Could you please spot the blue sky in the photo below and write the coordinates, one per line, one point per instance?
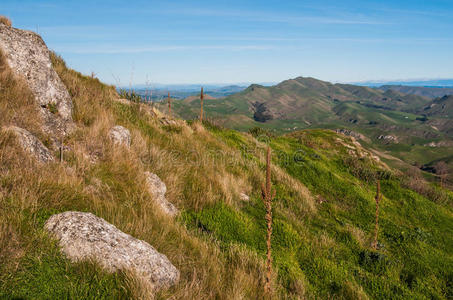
(245, 41)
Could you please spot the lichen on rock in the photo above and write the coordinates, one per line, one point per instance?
(30, 144)
(157, 189)
(28, 57)
(120, 135)
(84, 236)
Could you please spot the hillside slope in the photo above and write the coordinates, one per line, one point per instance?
(323, 210)
(394, 123)
(308, 99)
(440, 107)
(430, 92)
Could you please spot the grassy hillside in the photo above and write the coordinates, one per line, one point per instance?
(323, 210)
(425, 91)
(302, 103)
(440, 107)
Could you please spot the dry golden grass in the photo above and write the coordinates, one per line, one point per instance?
(109, 182)
(17, 105)
(197, 167)
(6, 21)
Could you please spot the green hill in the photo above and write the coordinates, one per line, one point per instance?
(440, 107)
(389, 121)
(430, 92)
(323, 212)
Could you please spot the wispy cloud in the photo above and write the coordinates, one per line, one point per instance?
(108, 49)
(294, 44)
(415, 12)
(275, 17)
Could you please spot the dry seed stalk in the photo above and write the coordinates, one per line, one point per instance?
(201, 105)
(169, 105)
(378, 198)
(268, 194)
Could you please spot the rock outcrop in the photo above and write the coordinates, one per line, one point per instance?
(120, 135)
(262, 113)
(388, 139)
(244, 197)
(157, 189)
(28, 56)
(84, 236)
(31, 144)
(348, 132)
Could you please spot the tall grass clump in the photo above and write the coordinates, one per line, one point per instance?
(17, 102)
(6, 21)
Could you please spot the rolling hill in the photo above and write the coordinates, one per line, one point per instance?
(440, 107)
(430, 92)
(392, 121)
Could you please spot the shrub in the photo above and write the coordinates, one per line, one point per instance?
(258, 131)
(6, 21)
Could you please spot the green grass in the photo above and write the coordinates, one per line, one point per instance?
(43, 272)
(415, 260)
(47, 274)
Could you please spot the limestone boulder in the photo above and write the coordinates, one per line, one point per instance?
(120, 136)
(157, 189)
(28, 56)
(31, 144)
(84, 236)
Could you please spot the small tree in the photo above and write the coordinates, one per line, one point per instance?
(442, 171)
(268, 194)
(201, 105)
(378, 199)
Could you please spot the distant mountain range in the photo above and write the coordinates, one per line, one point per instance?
(160, 92)
(426, 88)
(430, 92)
(422, 83)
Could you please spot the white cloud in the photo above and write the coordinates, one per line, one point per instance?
(111, 49)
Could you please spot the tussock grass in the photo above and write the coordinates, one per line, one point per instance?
(17, 105)
(109, 182)
(6, 21)
(319, 250)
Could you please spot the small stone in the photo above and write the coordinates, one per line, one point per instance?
(120, 135)
(31, 144)
(83, 236)
(244, 197)
(157, 189)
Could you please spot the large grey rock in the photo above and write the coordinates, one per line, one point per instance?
(84, 236)
(31, 144)
(157, 189)
(120, 135)
(28, 56)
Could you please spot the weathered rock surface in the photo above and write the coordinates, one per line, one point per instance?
(388, 138)
(31, 144)
(120, 135)
(262, 112)
(244, 197)
(84, 236)
(348, 132)
(28, 57)
(157, 189)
